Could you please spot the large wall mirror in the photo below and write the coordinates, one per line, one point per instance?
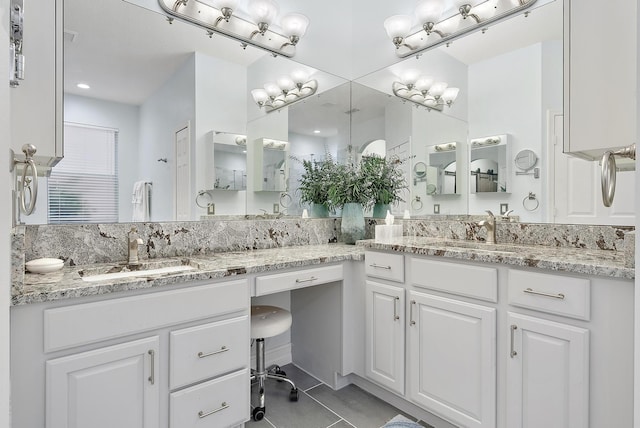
(157, 83)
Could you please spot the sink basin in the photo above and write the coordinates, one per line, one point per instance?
(137, 273)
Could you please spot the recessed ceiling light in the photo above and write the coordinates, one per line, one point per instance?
(316, 131)
(83, 86)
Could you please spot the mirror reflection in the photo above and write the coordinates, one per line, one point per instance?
(229, 161)
(441, 175)
(489, 162)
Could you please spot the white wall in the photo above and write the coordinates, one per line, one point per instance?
(5, 220)
(505, 98)
(220, 105)
(169, 109)
(124, 118)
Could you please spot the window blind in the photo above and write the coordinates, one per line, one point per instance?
(83, 187)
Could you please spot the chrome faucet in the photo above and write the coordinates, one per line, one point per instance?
(133, 241)
(490, 225)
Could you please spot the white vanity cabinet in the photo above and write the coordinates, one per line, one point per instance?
(596, 59)
(108, 387)
(161, 359)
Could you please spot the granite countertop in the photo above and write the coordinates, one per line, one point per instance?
(573, 260)
(68, 283)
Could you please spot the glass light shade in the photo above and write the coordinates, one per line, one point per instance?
(299, 76)
(272, 90)
(259, 95)
(263, 11)
(285, 83)
(219, 4)
(424, 83)
(409, 77)
(398, 26)
(486, 10)
(294, 24)
(438, 88)
(449, 26)
(459, 3)
(450, 94)
(429, 11)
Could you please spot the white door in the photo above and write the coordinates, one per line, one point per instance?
(452, 359)
(384, 336)
(182, 186)
(577, 191)
(547, 374)
(116, 386)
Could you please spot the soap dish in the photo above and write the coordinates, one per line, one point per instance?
(44, 265)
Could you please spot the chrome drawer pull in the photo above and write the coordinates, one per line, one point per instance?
(223, 406)
(396, 299)
(152, 377)
(513, 352)
(411, 321)
(313, 278)
(208, 354)
(377, 266)
(542, 293)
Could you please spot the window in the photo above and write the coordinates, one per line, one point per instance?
(83, 187)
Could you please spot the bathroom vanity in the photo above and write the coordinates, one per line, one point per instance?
(458, 333)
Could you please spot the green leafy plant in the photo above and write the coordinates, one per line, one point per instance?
(347, 186)
(383, 178)
(316, 179)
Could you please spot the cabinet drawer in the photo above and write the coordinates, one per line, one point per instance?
(463, 280)
(268, 284)
(205, 351)
(554, 294)
(76, 325)
(384, 265)
(222, 402)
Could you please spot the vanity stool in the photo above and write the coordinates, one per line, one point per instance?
(268, 321)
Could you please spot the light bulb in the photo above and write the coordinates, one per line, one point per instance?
(409, 77)
(272, 90)
(299, 77)
(437, 89)
(450, 94)
(424, 83)
(398, 26)
(259, 96)
(294, 25)
(219, 4)
(286, 84)
(263, 11)
(449, 26)
(429, 11)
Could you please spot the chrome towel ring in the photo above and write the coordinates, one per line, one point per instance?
(530, 206)
(27, 183)
(608, 176)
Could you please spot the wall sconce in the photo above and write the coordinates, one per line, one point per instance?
(219, 16)
(424, 91)
(438, 25)
(286, 91)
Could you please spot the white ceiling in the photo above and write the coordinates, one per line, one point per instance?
(118, 42)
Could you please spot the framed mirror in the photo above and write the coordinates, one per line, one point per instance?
(489, 164)
(442, 169)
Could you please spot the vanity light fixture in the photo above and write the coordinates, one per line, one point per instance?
(424, 90)
(254, 27)
(438, 25)
(489, 141)
(286, 91)
(445, 147)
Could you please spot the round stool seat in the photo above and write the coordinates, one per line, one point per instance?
(268, 321)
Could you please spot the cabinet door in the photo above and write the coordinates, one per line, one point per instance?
(547, 374)
(384, 340)
(116, 386)
(452, 359)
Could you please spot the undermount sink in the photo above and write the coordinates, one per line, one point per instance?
(137, 273)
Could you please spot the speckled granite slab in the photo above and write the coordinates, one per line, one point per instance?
(575, 260)
(68, 283)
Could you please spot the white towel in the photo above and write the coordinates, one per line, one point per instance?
(140, 201)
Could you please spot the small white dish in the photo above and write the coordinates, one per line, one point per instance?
(44, 265)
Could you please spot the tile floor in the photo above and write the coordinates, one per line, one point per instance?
(319, 406)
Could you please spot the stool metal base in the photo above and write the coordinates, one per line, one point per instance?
(272, 372)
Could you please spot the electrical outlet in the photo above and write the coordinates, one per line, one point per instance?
(436, 208)
(504, 208)
(276, 208)
(211, 209)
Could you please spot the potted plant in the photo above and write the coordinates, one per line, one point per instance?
(349, 192)
(385, 182)
(314, 184)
